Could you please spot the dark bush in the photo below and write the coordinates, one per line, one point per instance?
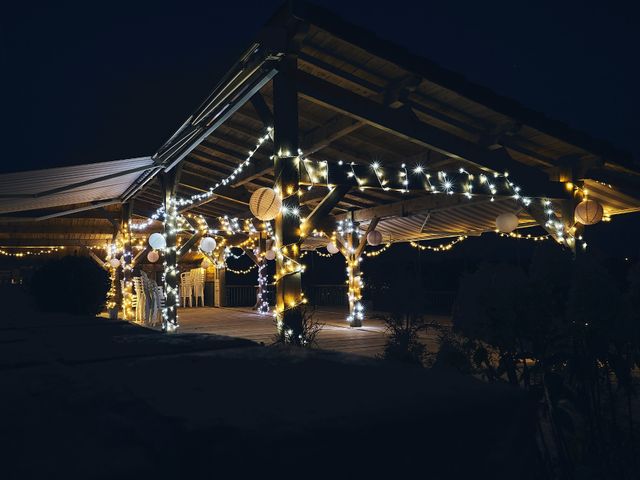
(70, 285)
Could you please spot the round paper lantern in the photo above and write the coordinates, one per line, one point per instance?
(157, 241)
(332, 248)
(507, 222)
(114, 262)
(588, 212)
(270, 255)
(374, 238)
(265, 204)
(207, 244)
(153, 256)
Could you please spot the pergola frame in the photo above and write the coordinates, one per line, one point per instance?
(342, 95)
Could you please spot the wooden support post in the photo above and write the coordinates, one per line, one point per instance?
(190, 243)
(262, 303)
(570, 225)
(171, 277)
(354, 280)
(287, 173)
(99, 261)
(127, 264)
(220, 286)
(351, 249)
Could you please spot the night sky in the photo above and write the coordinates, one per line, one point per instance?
(89, 81)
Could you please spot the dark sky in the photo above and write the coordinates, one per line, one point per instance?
(95, 81)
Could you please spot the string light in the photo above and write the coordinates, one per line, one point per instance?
(183, 202)
(375, 253)
(112, 293)
(439, 248)
(241, 272)
(288, 264)
(31, 253)
(535, 238)
(169, 311)
(263, 303)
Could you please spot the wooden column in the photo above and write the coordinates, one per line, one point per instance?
(352, 249)
(262, 302)
(220, 286)
(354, 276)
(127, 264)
(570, 225)
(171, 275)
(287, 173)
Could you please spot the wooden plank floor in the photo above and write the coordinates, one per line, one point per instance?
(335, 335)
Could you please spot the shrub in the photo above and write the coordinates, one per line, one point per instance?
(308, 327)
(71, 284)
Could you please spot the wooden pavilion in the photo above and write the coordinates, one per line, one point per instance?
(356, 135)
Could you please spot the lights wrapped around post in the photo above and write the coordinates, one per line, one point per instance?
(354, 285)
(262, 302)
(288, 278)
(112, 302)
(170, 274)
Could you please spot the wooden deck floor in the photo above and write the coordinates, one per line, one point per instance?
(335, 335)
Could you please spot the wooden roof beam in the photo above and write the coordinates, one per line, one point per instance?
(413, 206)
(324, 207)
(404, 125)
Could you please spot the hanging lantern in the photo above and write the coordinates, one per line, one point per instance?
(374, 237)
(207, 244)
(206, 263)
(588, 212)
(114, 262)
(270, 255)
(332, 248)
(153, 256)
(157, 241)
(507, 222)
(265, 204)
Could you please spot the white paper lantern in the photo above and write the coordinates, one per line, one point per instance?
(588, 212)
(332, 248)
(157, 241)
(374, 237)
(270, 254)
(507, 222)
(207, 244)
(265, 204)
(153, 256)
(114, 262)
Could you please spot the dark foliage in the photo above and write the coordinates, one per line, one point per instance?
(71, 284)
(405, 320)
(567, 333)
(307, 326)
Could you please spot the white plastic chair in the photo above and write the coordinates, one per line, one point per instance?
(186, 288)
(139, 300)
(197, 280)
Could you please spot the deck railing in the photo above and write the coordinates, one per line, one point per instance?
(435, 301)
